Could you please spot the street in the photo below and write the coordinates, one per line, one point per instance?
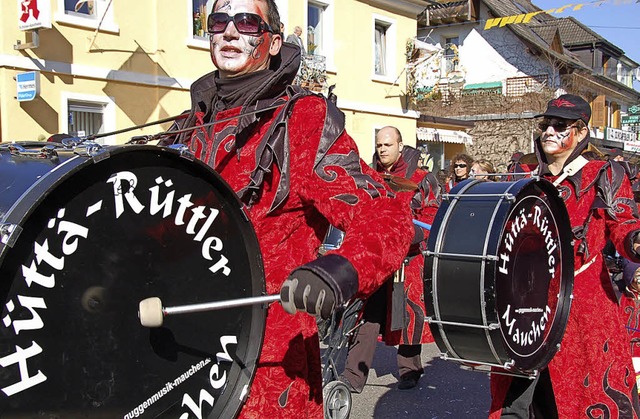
(444, 391)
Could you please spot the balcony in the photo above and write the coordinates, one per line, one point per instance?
(447, 12)
(313, 73)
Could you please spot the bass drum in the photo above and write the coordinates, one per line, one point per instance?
(499, 274)
(86, 234)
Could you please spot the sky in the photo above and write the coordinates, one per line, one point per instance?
(618, 21)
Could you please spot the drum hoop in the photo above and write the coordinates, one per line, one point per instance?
(24, 207)
(437, 247)
(496, 210)
(565, 291)
(33, 196)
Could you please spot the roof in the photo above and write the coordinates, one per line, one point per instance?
(573, 33)
(501, 8)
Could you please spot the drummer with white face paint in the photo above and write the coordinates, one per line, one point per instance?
(286, 154)
(594, 361)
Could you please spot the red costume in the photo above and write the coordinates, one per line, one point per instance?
(410, 330)
(424, 204)
(591, 375)
(297, 171)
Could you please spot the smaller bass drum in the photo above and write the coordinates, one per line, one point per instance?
(499, 274)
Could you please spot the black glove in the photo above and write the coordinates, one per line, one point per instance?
(319, 286)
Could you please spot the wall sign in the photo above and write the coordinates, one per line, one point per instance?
(28, 85)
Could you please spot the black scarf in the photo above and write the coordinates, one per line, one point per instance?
(236, 91)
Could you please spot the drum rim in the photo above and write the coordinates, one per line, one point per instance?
(565, 297)
(234, 394)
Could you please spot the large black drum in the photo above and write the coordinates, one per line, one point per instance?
(86, 234)
(499, 274)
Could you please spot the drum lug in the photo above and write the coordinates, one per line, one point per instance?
(91, 149)
(183, 150)
(9, 234)
(46, 152)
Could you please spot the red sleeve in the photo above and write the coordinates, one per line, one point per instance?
(349, 194)
(621, 216)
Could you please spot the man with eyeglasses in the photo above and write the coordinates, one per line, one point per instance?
(285, 152)
(592, 375)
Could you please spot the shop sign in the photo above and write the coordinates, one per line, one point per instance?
(34, 14)
(632, 146)
(613, 134)
(28, 85)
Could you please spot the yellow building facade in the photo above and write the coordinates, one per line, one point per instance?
(104, 65)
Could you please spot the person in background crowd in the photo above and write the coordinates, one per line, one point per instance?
(295, 39)
(459, 169)
(394, 159)
(591, 376)
(286, 154)
(615, 154)
(481, 169)
(515, 158)
(444, 177)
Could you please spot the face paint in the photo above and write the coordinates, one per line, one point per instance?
(235, 54)
(255, 43)
(224, 6)
(559, 143)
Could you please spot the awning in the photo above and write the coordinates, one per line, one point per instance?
(443, 135)
(488, 85)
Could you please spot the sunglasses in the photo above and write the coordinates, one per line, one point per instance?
(558, 126)
(457, 166)
(246, 23)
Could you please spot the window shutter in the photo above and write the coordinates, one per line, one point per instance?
(598, 112)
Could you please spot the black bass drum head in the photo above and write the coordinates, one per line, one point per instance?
(89, 240)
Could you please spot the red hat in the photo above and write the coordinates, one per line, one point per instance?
(568, 107)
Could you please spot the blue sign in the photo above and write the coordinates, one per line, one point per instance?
(28, 85)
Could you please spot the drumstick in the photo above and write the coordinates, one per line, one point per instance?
(151, 312)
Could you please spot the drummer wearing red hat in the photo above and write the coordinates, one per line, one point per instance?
(592, 374)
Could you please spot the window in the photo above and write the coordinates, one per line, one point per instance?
(81, 8)
(85, 118)
(380, 53)
(87, 13)
(384, 49)
(451, 58)
(200, 12)
(315, 28)
(87, 115)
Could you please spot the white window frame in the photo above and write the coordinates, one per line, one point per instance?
(447, 59)
(191, 40)
(328, 43)
(109, 113)
(391, 38)
(91, 22)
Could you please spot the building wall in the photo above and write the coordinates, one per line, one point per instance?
(135, 63)
(369, 101)
(142, 61)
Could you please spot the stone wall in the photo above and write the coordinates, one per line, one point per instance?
(497, 140)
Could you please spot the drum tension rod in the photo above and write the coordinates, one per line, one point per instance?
(151, 313)
(507, 196)
(490, 326)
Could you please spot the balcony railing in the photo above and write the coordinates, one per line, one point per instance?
(313, 72)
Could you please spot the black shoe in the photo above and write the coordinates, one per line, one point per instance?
(408, 381)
